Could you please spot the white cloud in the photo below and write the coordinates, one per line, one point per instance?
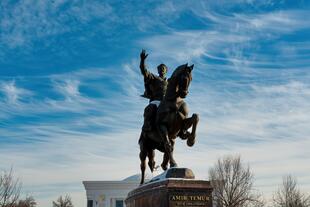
(227, 38)
(24, 21)
(186, 46)
(69, 88)
(280, 21)
(13, 93)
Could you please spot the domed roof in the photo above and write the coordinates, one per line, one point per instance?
(137, 177)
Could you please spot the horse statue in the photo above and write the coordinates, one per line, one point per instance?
(171, 122)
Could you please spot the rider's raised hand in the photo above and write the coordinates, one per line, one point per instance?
(143, 55)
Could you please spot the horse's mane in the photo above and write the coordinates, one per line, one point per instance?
(179, 70)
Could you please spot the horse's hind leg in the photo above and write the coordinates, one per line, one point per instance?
(151, 163)
(164, 164)
(172, 162)
(163, 132)
(142, 155)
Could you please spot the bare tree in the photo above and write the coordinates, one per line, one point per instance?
(232, 184)
(289, 195)
(28, 202)
(9, 189)
(63, 202)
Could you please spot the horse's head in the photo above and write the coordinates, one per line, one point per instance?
(179, 82)
(185, 78)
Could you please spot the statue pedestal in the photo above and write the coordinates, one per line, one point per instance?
(172, 192)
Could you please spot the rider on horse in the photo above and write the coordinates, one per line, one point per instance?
(170, 117)
(155, 89)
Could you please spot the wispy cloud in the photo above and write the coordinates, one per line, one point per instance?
(67, 144)
(69, 88)
(12, 93)
(22, 22)
(280, 21)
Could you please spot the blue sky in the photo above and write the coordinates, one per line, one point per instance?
(69, 87)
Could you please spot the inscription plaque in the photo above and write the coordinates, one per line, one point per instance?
(172, 193)
(189, 200)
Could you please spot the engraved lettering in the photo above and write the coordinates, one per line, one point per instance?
(189, 200)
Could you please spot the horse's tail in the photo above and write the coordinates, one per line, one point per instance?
(141, 137)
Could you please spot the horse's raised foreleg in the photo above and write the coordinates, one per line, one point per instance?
(187, 123)
(191, 138)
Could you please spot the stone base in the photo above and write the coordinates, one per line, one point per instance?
(172, 192)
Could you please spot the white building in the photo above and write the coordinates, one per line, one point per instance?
(109, 193)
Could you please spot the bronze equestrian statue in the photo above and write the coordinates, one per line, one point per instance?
(171, 121)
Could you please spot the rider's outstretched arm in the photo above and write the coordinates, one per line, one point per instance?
(143, 68)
